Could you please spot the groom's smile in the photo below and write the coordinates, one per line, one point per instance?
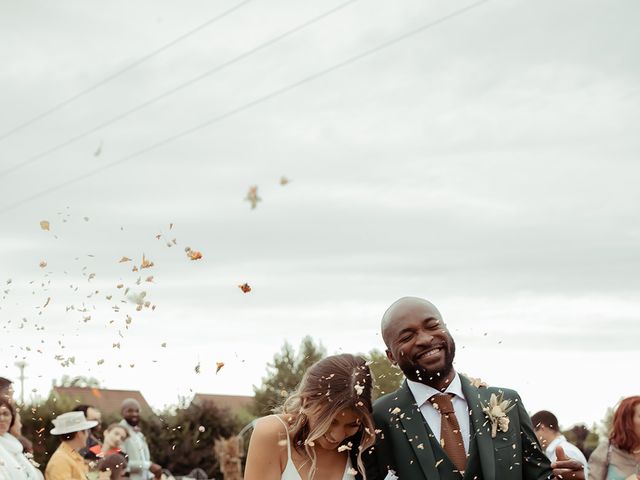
(419, 342)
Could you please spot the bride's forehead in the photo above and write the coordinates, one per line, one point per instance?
(348, 415)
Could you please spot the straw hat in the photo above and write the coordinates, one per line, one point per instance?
(71, 422)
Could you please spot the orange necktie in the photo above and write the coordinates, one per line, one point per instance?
(450, 435)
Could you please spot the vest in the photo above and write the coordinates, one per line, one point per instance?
(446, 467)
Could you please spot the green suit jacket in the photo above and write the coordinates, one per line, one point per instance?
(403, 444)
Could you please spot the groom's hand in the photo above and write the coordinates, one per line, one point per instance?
(567, 468)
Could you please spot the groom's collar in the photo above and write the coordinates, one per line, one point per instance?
(422, 392)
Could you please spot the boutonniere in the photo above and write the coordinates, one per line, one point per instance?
(476, 382)
(496, 411)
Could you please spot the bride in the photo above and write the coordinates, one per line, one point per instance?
(321, 430)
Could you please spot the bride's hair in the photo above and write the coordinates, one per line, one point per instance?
(329, 386)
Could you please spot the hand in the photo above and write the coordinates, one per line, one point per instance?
(567, 468)
(156, 470)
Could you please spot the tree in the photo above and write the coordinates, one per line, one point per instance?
(284, 374)
(184, 440)
(386, 377)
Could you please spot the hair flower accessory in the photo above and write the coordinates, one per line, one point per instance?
(496, 411)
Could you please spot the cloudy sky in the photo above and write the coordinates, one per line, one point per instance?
(482, 155)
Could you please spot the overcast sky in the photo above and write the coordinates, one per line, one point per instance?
(488, 162)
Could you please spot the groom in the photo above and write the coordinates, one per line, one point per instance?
(436, 427)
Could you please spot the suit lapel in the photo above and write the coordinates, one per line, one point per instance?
(480, 427)
(416, 431)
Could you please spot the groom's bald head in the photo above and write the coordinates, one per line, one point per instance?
(401, 308)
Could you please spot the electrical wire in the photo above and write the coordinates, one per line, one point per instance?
(118, 73)
(246, 106)
(173, 90)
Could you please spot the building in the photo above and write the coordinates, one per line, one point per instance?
(235, 403)
(107, 401)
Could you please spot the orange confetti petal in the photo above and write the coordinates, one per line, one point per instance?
(245, 287)
(43, 264)
(124, 259)
(194, 254)
(44, 225)
(219, 366)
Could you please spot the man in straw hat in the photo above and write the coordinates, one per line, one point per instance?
(66, 463)
(135, 446)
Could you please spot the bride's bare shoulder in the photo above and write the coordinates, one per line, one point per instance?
(270, 428)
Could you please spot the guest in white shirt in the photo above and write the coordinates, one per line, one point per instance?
(548, 432)
(13, 463)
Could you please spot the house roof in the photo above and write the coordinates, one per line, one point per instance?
(106, 400)
(232, 402)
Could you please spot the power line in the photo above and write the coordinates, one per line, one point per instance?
(115, 75)
(174, 89)
(248, 105)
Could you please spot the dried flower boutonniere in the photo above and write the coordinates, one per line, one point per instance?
(496, 411)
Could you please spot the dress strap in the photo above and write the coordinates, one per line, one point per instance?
(286, 431)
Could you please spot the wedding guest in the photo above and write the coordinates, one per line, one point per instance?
(91, 413)
(114, 467)
(618, 457)
(114, 437)
(14, 465)
(140, 466)
(321, 430)
(16, 431)
(7, 392)
(6, 389)
(545, 424)
(66, 463)
(440, 424)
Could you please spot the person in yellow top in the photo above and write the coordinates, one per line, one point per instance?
(66, 463)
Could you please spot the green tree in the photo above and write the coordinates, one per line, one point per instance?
(184, 440)
(284, 374)
(386, 377)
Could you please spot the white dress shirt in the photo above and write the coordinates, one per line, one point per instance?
(422, 393)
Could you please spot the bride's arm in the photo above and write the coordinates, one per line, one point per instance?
(265, 449)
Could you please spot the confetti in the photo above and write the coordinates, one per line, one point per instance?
(163, 344)
(197, 368)
(47, 302)
(44, 225)
(252, 197)
(149, 279)
(124, 259)
(193, 254)
(219, 366)
(146, 263)
(245, 288)
(284, 180)
(43, 264)
(201, 429)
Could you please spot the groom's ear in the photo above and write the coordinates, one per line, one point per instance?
(390, 356)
